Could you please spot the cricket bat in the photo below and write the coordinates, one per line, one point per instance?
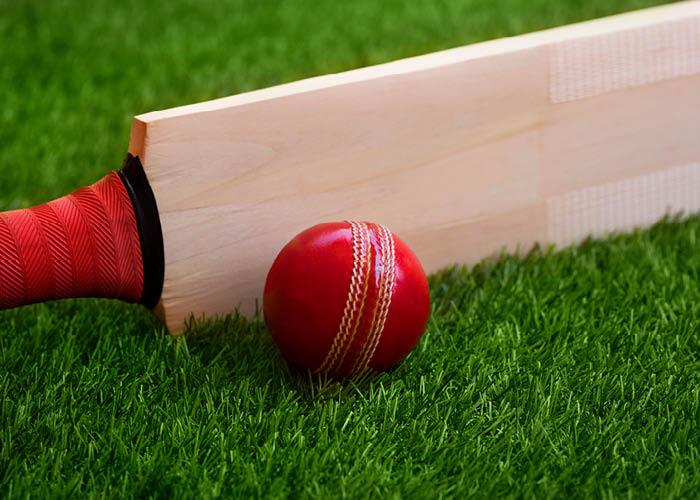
(547, 137)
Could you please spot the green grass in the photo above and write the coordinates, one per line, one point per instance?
(573, 373)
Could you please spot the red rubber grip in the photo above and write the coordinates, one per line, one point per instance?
(85, 244)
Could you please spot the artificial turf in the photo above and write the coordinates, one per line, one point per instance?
(560, 373)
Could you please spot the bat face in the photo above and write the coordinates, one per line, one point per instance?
(547, 137)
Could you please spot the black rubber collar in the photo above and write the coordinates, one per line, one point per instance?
(150, 232)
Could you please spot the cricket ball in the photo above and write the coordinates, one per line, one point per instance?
(343, 298)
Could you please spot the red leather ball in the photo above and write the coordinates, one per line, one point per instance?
(343, 298)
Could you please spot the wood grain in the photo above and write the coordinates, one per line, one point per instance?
(461, 153)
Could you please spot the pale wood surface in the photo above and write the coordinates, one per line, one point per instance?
(547, 137)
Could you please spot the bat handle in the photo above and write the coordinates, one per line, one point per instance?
(86, 244)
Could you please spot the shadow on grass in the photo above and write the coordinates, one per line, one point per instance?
(244, 347)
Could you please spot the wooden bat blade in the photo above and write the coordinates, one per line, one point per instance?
(546, 137)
